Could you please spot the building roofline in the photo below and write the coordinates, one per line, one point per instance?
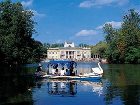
(69, 48)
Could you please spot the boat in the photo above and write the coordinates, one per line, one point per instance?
(54, 73)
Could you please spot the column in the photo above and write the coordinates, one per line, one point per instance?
(72, 54)
(75, 55)
(65, 54)
(68, 55)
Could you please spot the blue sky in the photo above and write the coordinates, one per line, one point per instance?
(79, 21)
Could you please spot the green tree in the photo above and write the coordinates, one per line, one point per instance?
(111, 38)
(99, 48)
(131, 28)
(124, 43)
(57, 45)
(16, 29)
(131, 32)
(83, 45)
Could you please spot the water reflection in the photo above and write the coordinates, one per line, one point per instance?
(70, 88)
(97, 87)
(15, 91)
(124, 84)
(63, 88)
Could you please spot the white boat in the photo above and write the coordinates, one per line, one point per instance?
(93, 75)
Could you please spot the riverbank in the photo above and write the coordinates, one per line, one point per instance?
(80, 60)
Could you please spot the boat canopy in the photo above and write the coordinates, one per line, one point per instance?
(67, 63)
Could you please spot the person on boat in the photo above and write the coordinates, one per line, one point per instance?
(62, 72)
(72, 73)
(56, 72)
(67, 72)
(75, 72)
(39, 71)
(39, 68)
(53, 71)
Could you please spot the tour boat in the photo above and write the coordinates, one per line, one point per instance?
(69, 72)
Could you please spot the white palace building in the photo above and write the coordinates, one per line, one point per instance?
(69, 51)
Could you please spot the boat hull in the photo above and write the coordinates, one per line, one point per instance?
(95, 77)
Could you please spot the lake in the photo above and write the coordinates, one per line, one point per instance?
(120, 85)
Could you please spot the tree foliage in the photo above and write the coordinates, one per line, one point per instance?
(124, 43)
(83, 45)
(16, 29)
(99, 48)
(56, 45)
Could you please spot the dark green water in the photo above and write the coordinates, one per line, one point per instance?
(120, 85)
(125, 83)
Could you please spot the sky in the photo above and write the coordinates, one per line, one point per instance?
(78, 21)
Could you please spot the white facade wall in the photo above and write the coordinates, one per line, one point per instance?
(53, 53)
(69, 51)
(66, 53)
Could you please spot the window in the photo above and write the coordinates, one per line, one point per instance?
(78, 52)
(62, 53)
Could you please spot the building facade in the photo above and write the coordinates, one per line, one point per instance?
(69, 51)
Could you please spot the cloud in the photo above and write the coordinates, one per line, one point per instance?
(85, 37)
(27, 3)
(86, 4)
(87, 33)
(38, 14)
(113, 23)
(93, 3)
